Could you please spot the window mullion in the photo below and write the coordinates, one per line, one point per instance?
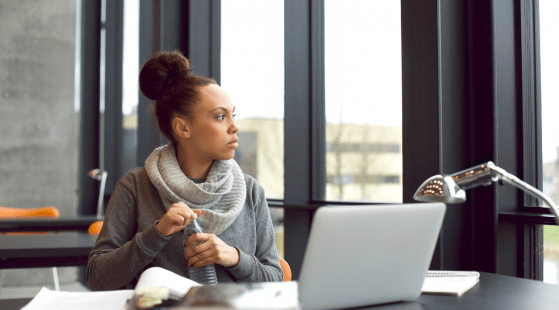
(318, 114)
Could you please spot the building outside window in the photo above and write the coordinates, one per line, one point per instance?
(549, 49)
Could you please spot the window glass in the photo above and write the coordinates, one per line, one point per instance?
(130, 85)
(252, 72)
(551, 254)
(549, 64)
(363, 80)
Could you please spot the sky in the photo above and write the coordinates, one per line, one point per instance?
(252, 56)
(549, 49)
(362, 59)
(131, 60)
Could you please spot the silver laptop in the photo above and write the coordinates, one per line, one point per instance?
(368, 255)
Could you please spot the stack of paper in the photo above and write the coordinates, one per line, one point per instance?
(47, 299)
(453, 283)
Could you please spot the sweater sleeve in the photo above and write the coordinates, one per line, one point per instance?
(264, 265)
(120, 254)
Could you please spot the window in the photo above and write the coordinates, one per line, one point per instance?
(130, 86)
(252, 72)
(549, 49)
(363, 81)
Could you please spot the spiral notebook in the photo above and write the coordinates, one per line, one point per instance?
(454, 283)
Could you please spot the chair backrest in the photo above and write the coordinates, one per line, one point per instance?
(6, 212)
(95, 228)
(286, 269)
(48, 212)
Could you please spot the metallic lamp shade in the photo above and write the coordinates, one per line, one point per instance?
(440, 188)
(95, 174)
(451, 188)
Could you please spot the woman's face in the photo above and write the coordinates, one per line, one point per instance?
(212, 126)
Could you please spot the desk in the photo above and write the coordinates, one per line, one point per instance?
(80, 222)
(494, 292)
(54, 249)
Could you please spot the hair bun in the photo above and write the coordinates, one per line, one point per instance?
(161, 70)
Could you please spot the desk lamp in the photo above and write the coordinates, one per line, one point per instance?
(451, 188)
(99, 175)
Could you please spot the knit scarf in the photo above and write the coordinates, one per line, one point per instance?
(221, 196)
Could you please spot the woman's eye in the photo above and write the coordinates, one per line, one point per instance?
(234, 115)
(221, 117)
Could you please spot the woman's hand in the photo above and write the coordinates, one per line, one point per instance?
(211, 250)
(175, 219)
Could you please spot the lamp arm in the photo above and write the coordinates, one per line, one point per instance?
(516, 182)
(101, 194)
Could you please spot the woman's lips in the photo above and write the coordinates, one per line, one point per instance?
(234, 144)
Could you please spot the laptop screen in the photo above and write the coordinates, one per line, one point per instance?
(368, 255)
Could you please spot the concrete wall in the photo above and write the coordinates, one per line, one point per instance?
(38, 125)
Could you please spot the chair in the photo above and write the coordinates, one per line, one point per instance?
(95, 228)
(46, 212)
(286, 269)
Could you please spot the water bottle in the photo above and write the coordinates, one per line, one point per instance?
(206, 274)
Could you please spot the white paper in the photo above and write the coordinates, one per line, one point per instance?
(106, 300)
(157, 276)
(449, 282)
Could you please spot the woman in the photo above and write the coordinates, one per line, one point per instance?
(150, 206)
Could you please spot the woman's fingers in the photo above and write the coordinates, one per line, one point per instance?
(194, 243)
(211, 250)
(198, 253)
(180, 208)
(175, 219)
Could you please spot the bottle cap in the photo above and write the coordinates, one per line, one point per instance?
(198, 212)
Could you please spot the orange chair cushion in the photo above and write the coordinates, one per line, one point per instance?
(25, 233)
(95, 228)
(49, 211)
(286, 269)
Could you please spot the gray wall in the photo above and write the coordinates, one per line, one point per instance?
(38, 125)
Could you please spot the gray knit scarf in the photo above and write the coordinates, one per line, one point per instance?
(221, 196)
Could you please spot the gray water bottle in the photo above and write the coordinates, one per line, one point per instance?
(206, 274)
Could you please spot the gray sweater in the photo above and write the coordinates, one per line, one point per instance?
(129, 243)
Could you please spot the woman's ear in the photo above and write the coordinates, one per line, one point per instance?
(181, 128)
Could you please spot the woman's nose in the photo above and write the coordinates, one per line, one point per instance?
(234, 127)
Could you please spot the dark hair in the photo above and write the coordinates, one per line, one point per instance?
(167, 78)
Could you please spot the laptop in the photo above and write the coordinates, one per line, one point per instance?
(368, 255)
